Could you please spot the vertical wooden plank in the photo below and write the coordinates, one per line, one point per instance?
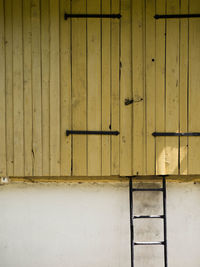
(9, 86)
(172, 87)
(94, 88)
(160, 88)
(105, 69)
(126, 91)
(183, 87)
(28, 168)
(45, 65)
(3, 170)
(115, 91)
(138, 29)
(79, 91)
(18, 89)
(150, 86)
(36, 89)
(54, 89)
(194, 85)
(65, 74)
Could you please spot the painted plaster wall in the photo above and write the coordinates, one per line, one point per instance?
(87, 225)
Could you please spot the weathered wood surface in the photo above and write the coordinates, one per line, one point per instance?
(76, 74)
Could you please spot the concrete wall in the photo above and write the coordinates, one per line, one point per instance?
(87, 225)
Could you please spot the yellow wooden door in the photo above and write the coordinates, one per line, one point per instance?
(95, 88)
(177, 88)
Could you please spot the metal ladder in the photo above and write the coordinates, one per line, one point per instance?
(134, 217)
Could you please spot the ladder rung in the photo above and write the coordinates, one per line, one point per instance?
(147, 189)
(148, 217)
(149, 243)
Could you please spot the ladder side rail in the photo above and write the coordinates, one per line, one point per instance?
(165, 220)
(131, 221)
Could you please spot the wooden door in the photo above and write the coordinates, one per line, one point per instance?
(177, 88)
(95, 70)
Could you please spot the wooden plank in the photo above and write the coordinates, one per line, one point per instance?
(172, 88)
(160, 88)
(54, 90)
(115, 90)
(65, 50)
(138, 30)
(79, 90)
(28, 138)
(150, 87)
(36, 89)
(194, 85)
(45, 65)
(94, 88)
(106, 75)
(125, 91)
(3, 170)
(18, 89)
(9, 87)
(183, 87)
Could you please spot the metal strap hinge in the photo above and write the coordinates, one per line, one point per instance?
(176, 16)
(155, 134)
(68, 132)
(102, 16)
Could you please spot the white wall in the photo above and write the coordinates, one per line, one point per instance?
(87, 225)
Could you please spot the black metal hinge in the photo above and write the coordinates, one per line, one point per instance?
(176, 16)
(155, 134)
(68, 132)
(110, 16)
